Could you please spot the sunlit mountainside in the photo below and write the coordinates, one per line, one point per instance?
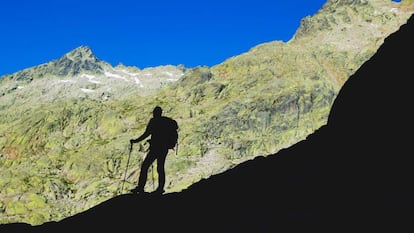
(65, 125)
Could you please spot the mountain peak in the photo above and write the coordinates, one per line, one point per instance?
(76, 61)
(81, 53)
(343, 14)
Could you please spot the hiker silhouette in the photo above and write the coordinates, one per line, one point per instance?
(163, 131)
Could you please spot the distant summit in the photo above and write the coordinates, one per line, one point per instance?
(81, 52)
(80, 73)
(77, 61)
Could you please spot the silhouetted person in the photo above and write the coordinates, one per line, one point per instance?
(162, 130)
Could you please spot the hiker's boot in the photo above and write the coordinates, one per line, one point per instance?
(137, 190)
(159, 191)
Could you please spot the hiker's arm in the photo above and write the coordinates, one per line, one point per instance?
(143, 136)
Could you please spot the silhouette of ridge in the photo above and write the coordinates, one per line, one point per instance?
(355, 172)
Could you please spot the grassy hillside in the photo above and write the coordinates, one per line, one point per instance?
(64, 147)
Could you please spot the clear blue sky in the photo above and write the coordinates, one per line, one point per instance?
(144, 33)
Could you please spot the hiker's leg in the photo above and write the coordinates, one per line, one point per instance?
(149, 159)
(160, 168)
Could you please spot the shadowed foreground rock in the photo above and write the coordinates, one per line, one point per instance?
(354, 173)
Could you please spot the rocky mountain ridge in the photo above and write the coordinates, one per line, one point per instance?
(80, 74)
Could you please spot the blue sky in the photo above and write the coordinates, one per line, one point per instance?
(144, 33)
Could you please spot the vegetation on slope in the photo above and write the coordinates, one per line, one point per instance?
(63, 150)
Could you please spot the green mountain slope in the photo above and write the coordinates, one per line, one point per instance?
(65, 125)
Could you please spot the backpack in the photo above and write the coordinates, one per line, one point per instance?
(171, 133)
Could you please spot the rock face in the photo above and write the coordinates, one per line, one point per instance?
(80, 71)
(65, 125)
(78, 61)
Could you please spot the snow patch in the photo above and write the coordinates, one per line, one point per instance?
(87, 90)
(94, 81)
(20, 87)
(168, 73)
(90, 78)
(137, 81)
(374, 25)
(67, 81)
(394, 10)
(112, 75)
(129, 73)
(172, 79)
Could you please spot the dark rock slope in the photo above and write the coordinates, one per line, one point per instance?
(354, 173)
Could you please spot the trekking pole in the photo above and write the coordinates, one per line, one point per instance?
(126, 169)
(176, 149)
(152, 172)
